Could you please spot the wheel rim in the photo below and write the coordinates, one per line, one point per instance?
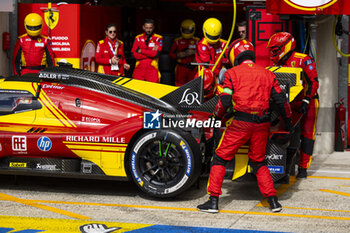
(162, 163)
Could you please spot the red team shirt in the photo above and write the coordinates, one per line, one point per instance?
(207, 53)
(32, 54)
(104, 54)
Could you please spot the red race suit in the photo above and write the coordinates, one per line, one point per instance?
(184, 71)
(208, 53)
(32, 54)
(105, 50)
(250, 87)
(146, 52)
(308, 123)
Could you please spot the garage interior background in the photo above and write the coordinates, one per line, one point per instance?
(168, 14)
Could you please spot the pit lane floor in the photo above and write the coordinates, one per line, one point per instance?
(320, 203)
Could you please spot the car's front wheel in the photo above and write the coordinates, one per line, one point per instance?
(164, 163)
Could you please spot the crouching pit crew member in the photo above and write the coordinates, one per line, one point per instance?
(32, 51)
(250, 87)
(281, 46)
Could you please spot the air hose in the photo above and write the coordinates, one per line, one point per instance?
(334, 41)
(230, 37)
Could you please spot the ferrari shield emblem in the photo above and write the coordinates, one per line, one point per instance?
(293, 63)
(51, 18)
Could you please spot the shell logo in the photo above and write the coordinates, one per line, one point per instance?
(310, 5)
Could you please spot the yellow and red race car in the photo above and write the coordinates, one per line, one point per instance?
(75, 123)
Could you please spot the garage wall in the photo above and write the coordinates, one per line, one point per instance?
(4, 27)
(327, 67)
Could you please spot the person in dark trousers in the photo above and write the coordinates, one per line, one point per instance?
(146, 50)
(32, 51)
(282, 52)
(250, 87)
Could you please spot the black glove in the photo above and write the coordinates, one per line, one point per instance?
(304, 105)
(288, 125)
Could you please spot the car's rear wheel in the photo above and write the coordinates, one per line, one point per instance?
(164, 163)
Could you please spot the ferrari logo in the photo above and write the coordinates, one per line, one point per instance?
(293, 63)
(51, 18)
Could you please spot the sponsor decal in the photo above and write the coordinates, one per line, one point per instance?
(189, 97)
(91, 119)
(204, 48)
(95, 139)
(19, 143)
(44, 143)
(151, 120)
(188, 170)
(0, 147)
(276, 169)
(308, 62)
(188, 157)
(310, 67)
(51, 86)
(39, 44)
(274, 157)
(51, 18)
(139, 144)
(133, 156)
(53, 76)
(133, 168)
(20, 165)
(51, 167)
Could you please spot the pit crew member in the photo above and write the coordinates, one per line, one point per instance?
(183, 51)
(282, 52)
(211, 46)
(32, 51)
(146, 50)
(250, 87)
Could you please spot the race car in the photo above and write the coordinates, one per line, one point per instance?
(73, 123)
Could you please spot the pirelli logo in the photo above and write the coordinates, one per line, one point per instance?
(18, 165)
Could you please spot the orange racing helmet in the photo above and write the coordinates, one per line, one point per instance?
(279, 45)
(240, 50)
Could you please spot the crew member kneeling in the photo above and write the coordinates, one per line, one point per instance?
(250, 87)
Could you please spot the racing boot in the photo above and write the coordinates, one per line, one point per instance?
(210, 206)
(275, 206)
(302, 173)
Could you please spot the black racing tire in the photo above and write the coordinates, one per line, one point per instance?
(164, 163)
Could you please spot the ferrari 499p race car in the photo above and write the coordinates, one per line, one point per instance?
(73, 123)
